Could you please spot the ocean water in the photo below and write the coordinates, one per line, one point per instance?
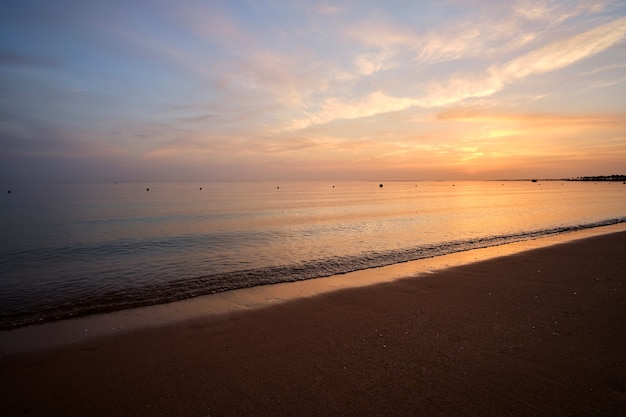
(77, 249)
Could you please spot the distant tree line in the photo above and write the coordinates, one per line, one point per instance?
(614, 177)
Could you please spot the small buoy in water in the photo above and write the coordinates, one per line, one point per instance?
(333, 186)
(147, 189)
(200, 188)
(277, 188)
(9, 191)
(380, 185)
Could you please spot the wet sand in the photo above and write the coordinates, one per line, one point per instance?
(537, 333)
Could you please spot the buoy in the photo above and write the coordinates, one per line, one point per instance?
(200, 188)
(147, 189)
(9, 191)
(380, 185)
(277, 188)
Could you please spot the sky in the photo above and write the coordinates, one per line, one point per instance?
(311, 90)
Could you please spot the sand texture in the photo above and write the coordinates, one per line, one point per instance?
(539, 333)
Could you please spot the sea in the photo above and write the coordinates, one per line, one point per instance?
(70, 250)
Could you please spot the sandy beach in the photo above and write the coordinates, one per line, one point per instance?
(537, 333)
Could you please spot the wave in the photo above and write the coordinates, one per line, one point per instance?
(97, 302)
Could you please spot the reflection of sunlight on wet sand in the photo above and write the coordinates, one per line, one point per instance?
(77, 330)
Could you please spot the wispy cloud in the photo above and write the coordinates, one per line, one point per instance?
(481, 116)
(562, 53)
(604, 68)
(554, 56)
(557, 11)
(327, 9)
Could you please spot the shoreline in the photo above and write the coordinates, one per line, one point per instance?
(90, 302)
(78, 330)
(536, 332)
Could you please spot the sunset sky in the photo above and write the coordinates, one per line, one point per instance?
(136, 90)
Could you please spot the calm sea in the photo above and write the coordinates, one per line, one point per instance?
(76, 249)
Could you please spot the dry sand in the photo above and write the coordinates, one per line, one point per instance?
(538, 333)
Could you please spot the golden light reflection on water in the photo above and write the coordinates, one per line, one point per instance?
(122, 244)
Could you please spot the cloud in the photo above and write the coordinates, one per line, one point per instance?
(327, 9)
(556, 11)
(554, 56)
(298, 85)
(562, 53)
(454, 40)
(370, 63)
(465, 114)
(438, 45)
(378, 34)
(560, 134)
(605, 68)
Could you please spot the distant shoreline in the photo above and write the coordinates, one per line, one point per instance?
(604, 178)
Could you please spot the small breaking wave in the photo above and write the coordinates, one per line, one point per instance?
(96, 302)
